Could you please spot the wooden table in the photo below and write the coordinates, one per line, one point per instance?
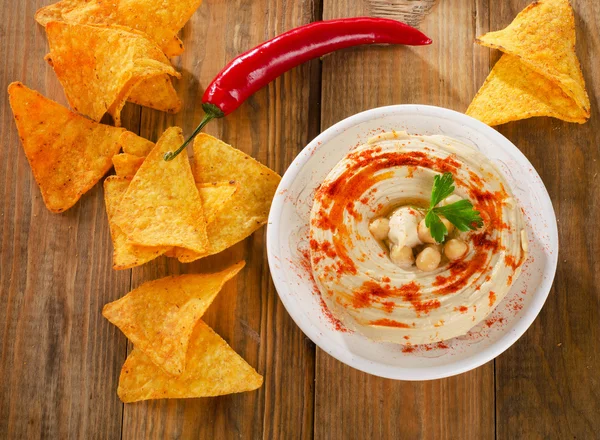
(60, 359)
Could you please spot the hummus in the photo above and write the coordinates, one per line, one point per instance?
(358, 280)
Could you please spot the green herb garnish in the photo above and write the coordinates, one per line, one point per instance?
(461, 214)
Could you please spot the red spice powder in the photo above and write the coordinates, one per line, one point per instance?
(384, 322)
(492, 297)
(388, 306)
(371, 292)
(335, 323)
(408, 349)
(305, 264)
(353, 212)
(325, 247)
(461, 309)
(323, 222)
(511, 261)
(490, 322)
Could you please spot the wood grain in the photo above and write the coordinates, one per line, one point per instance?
(547, 384)
(59, 359)
(272, 127)
(351, 404)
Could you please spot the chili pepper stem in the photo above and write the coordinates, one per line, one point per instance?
(212, 112)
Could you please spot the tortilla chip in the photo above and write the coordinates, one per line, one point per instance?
(162, 206)
(158, 93)
(127, 164)
(513, 91)
(134, 144)
(159, 316)
(171, 253)
(161, 20)
(98, 66)
(216, 196)
(68, 153)
(543, 37)
(216, 161)
(125, 254)
(212, 369)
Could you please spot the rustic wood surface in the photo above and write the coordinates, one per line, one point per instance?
(60, 360)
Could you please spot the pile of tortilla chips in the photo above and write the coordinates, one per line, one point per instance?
(100, 67)
(539, 73)
(176, 354)
(160, 20)
(156, 207)
(105, 53)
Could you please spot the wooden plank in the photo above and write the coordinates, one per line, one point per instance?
(272, 126)
(349, 403)
(547, 383)
(59, 359)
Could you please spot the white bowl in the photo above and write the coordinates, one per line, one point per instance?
(287, 247)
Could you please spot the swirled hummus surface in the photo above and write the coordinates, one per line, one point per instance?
(359, 282)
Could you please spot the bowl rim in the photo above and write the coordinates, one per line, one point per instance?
(479, 358)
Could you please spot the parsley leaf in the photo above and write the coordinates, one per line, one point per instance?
(461, 214)
(443, 186)
(436, 227)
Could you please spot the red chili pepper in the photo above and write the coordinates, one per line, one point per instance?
(256, 68)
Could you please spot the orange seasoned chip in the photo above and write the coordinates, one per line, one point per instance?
(216, 196)
(127, 164)
(68, 153)
(156, 92)
(161, 20)
(543, 37)
(212, 369)
(159, 316)
(513, 91)
(99, 66)
(134, 144)
(125, 255)
(162, 206)
(249, 207)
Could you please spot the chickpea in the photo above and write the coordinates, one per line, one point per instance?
(425, 234)
(455, 249)
(402, 256)
(380, 228)
(428, 259)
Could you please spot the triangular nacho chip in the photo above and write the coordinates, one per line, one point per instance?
(68, 153)
(212, 369)
(125, 254)
(127, 164)
(159, 316)
(161, 20)
(158, 93)
(216, 196)
(513, 91)
(543, 37)
(98, 66)
(134, 144)
(162, 206)
(215, 161)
